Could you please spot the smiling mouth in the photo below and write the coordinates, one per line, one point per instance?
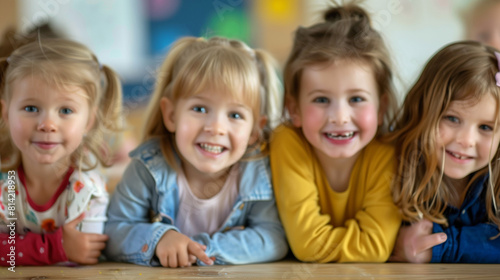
(214, 149)
(457, 155)
(340, 136)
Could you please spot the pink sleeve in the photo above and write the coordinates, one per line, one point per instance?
(32, 249)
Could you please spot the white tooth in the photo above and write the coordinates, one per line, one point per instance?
(211, 149)
(346, 135)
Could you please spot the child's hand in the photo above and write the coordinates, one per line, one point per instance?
(82, 248)
(414, 243)
(177, 250)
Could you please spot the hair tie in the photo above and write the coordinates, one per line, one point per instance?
(497, 75)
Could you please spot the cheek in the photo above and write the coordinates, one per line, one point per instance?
(312, 116)
(368, 118)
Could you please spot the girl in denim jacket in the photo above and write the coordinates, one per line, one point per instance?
(199, 187)
(447, 140)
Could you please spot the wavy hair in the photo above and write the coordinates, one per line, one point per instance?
(460, 71)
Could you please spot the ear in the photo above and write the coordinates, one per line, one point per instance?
(256, 131)
(91, 122)
(382, 108)
(3, 107)
(293, 109)
(167, 112)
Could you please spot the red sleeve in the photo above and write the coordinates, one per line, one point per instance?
(32, 249)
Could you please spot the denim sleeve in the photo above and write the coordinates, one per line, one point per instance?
(132, 237)
(467, 244)
(261, 240)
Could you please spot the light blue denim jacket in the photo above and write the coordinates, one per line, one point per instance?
(145, 203)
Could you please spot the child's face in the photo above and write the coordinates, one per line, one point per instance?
(465, 134)
(486, 27)
(338, 108)
(46, 123)
(212, 130)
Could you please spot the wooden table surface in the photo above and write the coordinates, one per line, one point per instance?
(287, 269)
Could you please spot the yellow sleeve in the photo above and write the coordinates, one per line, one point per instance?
(368, 237)
(371, 235)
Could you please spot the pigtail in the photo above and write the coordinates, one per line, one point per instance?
(271, 91)
(110, 107)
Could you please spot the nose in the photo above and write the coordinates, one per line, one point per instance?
(339, 113)
(466, 137)
(216, 124)
(47, 123)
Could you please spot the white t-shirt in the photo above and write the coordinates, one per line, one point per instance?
(197, 215)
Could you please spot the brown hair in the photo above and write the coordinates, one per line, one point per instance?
(460, 71)
(194, 64)
(346, 33)
(60, 63)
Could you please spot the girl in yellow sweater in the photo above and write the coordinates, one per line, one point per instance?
(331, 178)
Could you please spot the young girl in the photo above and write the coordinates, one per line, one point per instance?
(331, 179)
(482, 22)
(57, 104)
(199, 186)
(447, 141)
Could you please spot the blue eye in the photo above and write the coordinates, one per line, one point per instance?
(485, 127)
(66, 111)
(452, 119)
(320, 100)
(236, 116)
(200, 109)
(31, 109)
(356, 99)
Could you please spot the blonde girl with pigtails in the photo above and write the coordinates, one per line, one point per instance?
(58, 104)
(448, 176)
(198, 189)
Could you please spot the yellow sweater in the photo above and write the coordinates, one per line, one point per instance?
(357, 225)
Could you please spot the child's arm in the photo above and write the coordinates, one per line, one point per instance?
(368, 236)
(261, 240)
(468, 244)
(133, 237)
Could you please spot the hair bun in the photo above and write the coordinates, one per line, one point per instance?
(354, 12)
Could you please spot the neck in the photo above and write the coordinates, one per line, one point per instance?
(458, 189)
(337, 170)
(44, 176)
(205, 185)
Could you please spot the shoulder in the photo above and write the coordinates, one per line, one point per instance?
(379, 150)
(87, 182)
(285, 138)
(150, 155)
(255, 179)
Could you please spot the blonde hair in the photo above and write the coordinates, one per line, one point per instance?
(62, 63)
(346, 33)
(195, 64)
(460, 71)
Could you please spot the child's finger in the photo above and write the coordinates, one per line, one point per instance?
(428, 241)
(76, 221)
(172, 260)
(192, 258)
(196, 250)
(182, 258)
(94, 237)
(164, 260)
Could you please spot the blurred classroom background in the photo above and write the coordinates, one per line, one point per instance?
(133, 36)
